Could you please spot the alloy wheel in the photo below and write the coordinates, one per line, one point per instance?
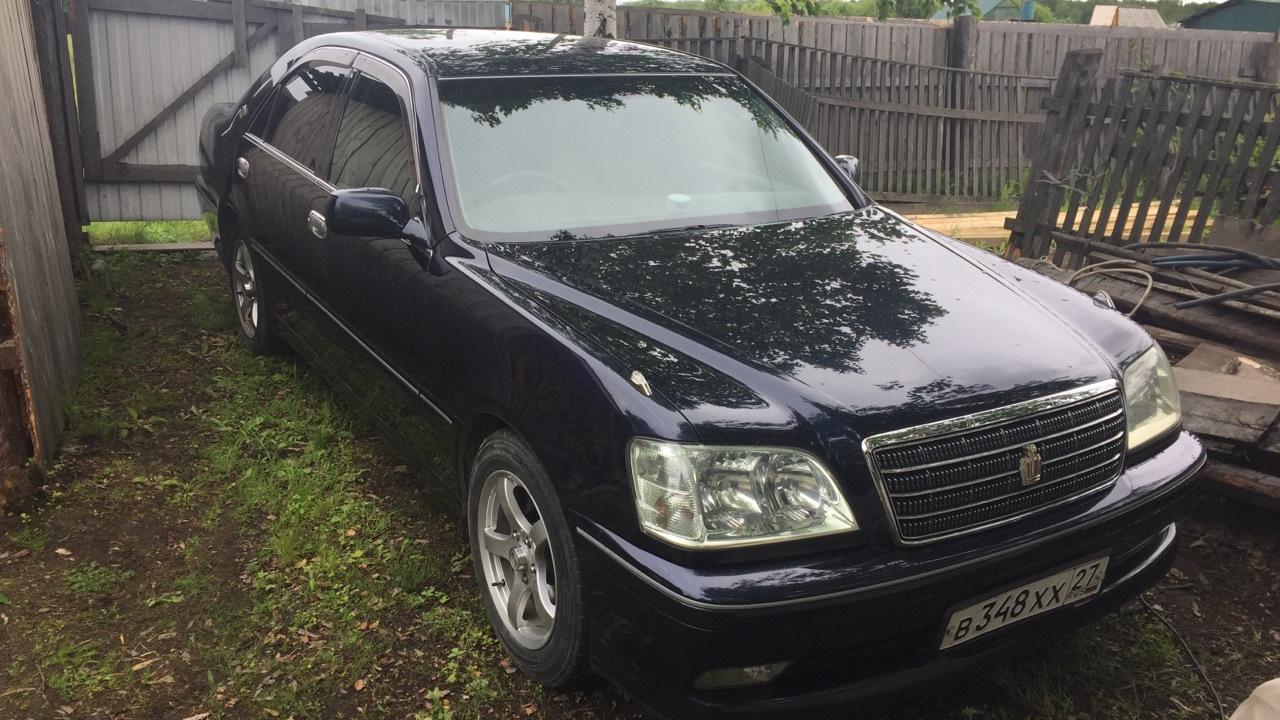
(245, 281)
(519, 571)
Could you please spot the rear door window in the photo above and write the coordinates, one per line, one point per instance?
(300, 121)
(373, 147)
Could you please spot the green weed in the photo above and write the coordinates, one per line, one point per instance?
(77, 670)
(144, 232)
(30, 537)
(90, 578)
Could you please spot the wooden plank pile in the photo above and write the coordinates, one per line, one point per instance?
(1226, 353)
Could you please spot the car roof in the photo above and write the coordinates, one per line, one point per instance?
(454, 53)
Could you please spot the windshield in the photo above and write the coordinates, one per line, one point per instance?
(592, 156)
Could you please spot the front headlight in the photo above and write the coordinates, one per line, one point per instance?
(1150, 397)
(698, 496)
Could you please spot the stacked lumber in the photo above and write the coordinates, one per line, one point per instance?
(1226, 354)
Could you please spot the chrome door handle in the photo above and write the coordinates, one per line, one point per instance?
(242, 168)
(319, 227)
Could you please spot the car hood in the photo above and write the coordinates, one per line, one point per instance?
(862, 320)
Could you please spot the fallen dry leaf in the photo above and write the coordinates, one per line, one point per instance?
(530, 709)
(359, 685)
(200, 716)
(63, 551)
(145, 663)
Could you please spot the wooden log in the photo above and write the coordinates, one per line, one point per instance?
(155, 247)
(1227, 406)
(1175, 341)
(1243, 484)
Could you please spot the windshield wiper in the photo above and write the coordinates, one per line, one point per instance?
(689, 228)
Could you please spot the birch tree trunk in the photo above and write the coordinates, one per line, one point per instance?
(600, 18)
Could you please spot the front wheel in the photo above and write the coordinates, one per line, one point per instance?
(526, 563)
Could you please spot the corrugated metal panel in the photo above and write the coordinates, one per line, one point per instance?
(461, 13)
(141, 63)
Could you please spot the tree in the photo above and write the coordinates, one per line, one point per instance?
(786, 8)
(925, 8)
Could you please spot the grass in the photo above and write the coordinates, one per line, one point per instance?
(148, 232)
(29, 537)
(78, 670)
(92, 579)
(287, 466)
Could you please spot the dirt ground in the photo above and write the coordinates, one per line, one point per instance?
(224, 539)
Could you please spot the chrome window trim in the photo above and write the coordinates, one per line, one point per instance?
(407, 96)
(296, 166)
(329, 54)
(977, 421)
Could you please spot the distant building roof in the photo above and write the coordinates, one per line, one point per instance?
(1103, 15)
(1140, 17)
(1114, 16)
(1255, 15)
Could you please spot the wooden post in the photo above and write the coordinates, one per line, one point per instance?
(1269, 63)
(297, 29)
(240, 31)
(962, 53)
(55, 76)
(1038, 209)
(86, 91)
(39, 317)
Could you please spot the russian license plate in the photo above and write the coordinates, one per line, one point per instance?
(1062, 588)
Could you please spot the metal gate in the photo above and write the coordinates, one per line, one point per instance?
(147, 70)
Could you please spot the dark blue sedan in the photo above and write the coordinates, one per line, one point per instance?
(724, 431)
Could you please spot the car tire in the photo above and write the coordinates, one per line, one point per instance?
(526, 563)
(249, 301)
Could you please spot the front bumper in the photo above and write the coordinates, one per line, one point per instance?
(655, 629)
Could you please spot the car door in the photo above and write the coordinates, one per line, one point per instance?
(386, 289)
(280, 169)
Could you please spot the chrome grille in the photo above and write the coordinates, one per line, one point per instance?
(960, 476)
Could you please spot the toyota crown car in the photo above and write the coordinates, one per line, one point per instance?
(723, 430)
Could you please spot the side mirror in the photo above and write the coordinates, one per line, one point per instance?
(850, 165)
(367, 212)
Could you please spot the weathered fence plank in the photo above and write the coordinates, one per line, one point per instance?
(39, 318)
(1146, 141)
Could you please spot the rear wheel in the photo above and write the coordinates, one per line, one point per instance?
(248, 296)
(526, 562)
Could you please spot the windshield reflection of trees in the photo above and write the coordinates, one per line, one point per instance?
(480, 53)
(491, 100)
(784, 295)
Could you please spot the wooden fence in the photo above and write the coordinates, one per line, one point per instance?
(1149, 158)
(39, 318)
(1010, 48)
(922, 132)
